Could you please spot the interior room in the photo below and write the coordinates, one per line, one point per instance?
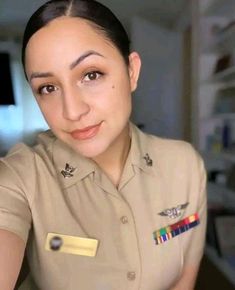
(186, 91)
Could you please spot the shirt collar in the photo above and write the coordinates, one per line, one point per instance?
(142, 155)
(72, 167)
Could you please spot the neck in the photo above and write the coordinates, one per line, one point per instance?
(112, 161)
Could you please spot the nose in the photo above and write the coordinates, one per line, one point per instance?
(74, 105)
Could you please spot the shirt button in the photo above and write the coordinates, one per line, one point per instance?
(131, 276)
(124, 219)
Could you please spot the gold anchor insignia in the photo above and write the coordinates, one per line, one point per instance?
(148, 160)
(174, 212)
(68, 171)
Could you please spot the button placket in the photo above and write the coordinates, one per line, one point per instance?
(124, 219)
(130, 242)
(131, 276)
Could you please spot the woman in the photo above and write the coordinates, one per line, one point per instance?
(100, 204)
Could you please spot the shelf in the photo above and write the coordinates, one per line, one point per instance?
(221, 195)
(227, 85)
(211, 48)
(229, 156)
(225, 116)
(218, 85)
(220, 156)
(221, 8)
(224, 42)
(222, 116)
(221, 264)
(223, 76)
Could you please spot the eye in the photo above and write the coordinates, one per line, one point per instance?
(92, 76)
(46, 90)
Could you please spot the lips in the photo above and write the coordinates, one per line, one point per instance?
(86, 133)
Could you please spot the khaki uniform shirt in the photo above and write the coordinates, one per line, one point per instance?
(50, 189)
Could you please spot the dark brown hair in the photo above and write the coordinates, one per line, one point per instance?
(99, 16)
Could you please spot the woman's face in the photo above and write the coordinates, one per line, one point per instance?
(81, 83)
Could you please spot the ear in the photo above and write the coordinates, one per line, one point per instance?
(134, 69)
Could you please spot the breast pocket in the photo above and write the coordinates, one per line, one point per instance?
(169, 257)
(83, 266)
(168, 253)
(169, 246)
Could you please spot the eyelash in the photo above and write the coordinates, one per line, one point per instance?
(40, 89)
(98, 76)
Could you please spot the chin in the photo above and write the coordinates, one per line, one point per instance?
(90, 150)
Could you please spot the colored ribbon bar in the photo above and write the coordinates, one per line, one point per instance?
(171, 231)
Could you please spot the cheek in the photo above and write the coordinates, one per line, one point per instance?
(50, 111)
(115, 101)
(118, 94)
(122, 99)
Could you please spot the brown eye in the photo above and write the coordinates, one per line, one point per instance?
(92, 76)
(45, 90)
(50, 89)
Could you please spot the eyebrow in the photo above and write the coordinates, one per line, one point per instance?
(83, 57)
(71, 66)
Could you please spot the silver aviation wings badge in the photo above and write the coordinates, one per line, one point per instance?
(174, 212)
(68, 171)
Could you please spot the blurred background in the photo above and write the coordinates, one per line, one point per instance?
(186, 91)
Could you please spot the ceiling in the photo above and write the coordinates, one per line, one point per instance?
(14, 13)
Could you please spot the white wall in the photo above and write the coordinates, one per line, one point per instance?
(157, 102)
(33, 121)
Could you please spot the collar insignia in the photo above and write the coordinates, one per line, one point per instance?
(148, 160)
(174, 212)
(68, 171)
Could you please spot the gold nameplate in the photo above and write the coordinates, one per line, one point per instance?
(71, 245)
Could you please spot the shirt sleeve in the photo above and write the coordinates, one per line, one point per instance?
(194, 240)
(15, 214)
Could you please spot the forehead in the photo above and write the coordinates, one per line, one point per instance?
(66, 37)
(66, 26)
